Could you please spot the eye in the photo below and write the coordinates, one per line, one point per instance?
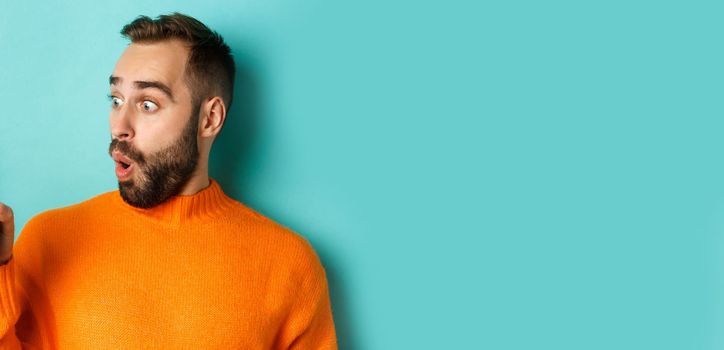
(149, 106)
(115, 101)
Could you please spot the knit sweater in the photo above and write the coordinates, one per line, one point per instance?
(199, 271)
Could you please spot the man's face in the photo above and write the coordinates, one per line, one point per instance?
(153, 123)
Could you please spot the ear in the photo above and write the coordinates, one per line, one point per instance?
(213, 115)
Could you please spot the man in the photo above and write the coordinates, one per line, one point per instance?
(168, 260)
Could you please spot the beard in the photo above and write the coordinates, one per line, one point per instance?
(162, 174)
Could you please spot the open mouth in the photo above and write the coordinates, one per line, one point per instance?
(124, 165)
(121, 159)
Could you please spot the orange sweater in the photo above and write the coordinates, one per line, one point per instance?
(196, 272)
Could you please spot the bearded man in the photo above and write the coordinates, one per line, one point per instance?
(168, 260)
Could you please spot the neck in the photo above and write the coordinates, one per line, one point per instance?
(198, 181)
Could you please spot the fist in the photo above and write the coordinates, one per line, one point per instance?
(7, 233)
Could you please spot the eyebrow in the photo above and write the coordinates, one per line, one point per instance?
(142, 84)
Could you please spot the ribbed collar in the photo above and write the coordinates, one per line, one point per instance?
(207, 203)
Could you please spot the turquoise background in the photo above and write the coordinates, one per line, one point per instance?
(499, 175)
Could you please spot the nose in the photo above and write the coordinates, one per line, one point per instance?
(122, 124)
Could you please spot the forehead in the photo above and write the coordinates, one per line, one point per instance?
(163, 61)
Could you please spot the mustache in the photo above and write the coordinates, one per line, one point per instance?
(127, 150)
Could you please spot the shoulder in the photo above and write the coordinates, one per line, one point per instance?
(291, 248)
(51, 226)
(72, 212)
(247, 216)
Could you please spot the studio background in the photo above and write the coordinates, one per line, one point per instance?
(473, 175)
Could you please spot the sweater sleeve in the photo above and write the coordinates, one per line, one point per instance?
(311, 324)
(9, 310)
(16, 280)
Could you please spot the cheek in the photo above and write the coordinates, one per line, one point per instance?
(152, 137)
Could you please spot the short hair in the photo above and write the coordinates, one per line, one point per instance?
(210, 66)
